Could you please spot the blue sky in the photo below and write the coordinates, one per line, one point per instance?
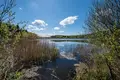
(48, 17)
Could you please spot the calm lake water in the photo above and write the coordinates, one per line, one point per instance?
(68, 56)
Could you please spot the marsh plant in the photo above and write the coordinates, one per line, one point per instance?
(34, 52)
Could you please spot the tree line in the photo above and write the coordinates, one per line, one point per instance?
(71, 36)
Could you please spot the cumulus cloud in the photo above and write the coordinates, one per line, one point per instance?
(68, 20)
(37, 26)
(30, 27)
(56, 28)
(33, 28)
(39, 23)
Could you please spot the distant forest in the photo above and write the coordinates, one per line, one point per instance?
(71, 36)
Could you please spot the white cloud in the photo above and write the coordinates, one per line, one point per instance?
(61, 31)
(30, 27)
(68, 20)
(39, 23)
(20, 8)
(37, 26)
(33, 28)
(56, 28)
(41, 29)
(38, 29)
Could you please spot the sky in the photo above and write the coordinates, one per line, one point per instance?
(53, 17)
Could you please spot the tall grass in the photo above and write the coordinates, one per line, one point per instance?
(34, 52)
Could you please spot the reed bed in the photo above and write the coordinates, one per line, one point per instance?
(34, 52)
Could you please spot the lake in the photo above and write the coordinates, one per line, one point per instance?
(68, 56)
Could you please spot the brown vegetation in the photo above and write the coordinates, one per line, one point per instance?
(34, 52)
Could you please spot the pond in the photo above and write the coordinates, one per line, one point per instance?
(68, 56)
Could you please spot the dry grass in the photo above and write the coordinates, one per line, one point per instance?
(34, 51)
(26, 53)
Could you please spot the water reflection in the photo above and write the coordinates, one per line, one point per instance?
(67, 47)
(67, 57)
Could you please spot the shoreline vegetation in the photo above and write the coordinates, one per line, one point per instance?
(83, 36)
(103, 21)
(20, 51)
(65, 40)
